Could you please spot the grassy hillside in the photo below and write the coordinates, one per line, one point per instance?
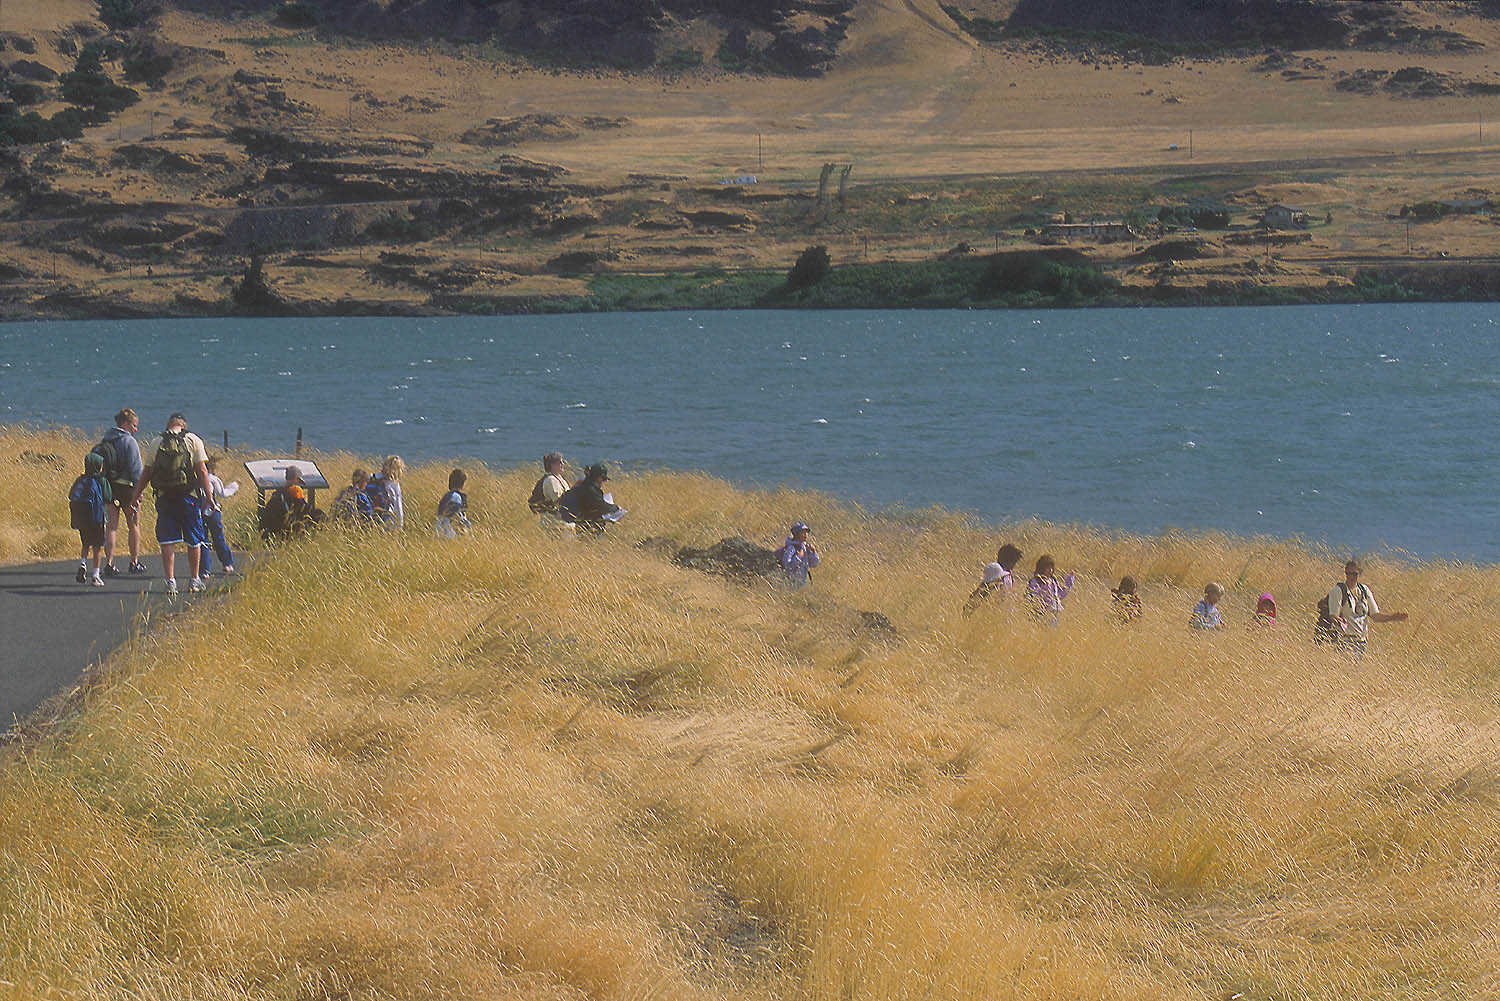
(525, 766)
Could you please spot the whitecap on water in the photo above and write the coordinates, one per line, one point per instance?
(396, 421)
(821, 420)
(283, 373)
(577, 406)
(487, 430)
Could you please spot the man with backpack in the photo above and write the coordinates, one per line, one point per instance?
(122, 469)
(1344, 614)
(550, 488)
(179, 477)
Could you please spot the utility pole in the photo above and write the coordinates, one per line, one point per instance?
(1190, 144)
(760, 153)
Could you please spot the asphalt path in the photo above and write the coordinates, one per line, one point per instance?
(53, 629)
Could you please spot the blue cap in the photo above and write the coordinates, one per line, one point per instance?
(800, 526)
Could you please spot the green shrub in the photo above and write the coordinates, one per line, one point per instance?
(812, 267)
(298, 14)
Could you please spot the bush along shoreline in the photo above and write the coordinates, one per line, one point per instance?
(1029, 279)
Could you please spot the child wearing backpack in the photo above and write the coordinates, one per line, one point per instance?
(384, 490)
(352, 505)
(452, 519)
(88, 502)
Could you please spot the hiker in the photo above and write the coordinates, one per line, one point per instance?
(798, 555)
(1046, 593)
(1265, 612)
(550, 488)
(452, 518)
(213, 522)
(1127, 602)
(1345, 614)
(123, 469)
(1206, 613)
(179, 478)
(384, 490)
(88, 504)
(352, 506)
(287, 512)
(586, 505)
(992, 582)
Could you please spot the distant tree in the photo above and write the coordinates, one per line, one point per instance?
(812, 266)
(254, 294)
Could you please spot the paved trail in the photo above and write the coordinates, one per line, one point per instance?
(52, 628)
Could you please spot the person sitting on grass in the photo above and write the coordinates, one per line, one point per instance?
(287, 512)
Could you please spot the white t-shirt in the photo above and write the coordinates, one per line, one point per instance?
(553, 487)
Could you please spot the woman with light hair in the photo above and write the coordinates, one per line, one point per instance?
(384, 491)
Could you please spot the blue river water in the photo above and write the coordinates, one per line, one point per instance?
(1367, 427)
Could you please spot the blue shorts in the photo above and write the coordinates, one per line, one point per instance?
(179, 520)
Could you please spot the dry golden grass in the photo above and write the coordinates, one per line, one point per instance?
(526, 766)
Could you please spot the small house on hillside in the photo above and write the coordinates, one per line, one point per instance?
(1280, 216)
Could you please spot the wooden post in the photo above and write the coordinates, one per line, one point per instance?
(299, 443)
(226, 439)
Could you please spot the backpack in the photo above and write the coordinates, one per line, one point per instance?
(1327, 630)
(273, 515)
(380, 495)
(352, 504)
(86, 504)
(106, 451)
(172, 472)
(538, 500)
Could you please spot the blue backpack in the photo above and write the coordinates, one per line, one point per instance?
(86, 503)
(380, 496)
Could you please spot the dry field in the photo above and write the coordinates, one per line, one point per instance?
(526, 766)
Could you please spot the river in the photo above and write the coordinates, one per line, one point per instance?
(1368, 427)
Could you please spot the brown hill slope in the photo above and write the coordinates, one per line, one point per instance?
(291, 142)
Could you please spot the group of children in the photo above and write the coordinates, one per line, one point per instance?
(1342, 614)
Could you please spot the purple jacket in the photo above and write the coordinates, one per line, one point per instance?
(1049, 594)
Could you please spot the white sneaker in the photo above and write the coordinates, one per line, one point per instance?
(196, 584)
(171, 586)
(96, 581)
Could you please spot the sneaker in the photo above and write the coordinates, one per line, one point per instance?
(196, 584)
(110, 570)
(230, 571)
(96, 581)
(171, 587)
(83, 571)
(138, 567)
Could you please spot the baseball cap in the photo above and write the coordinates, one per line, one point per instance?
(178, 416)
(800, 526)
(293, 474)
(598, 470)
